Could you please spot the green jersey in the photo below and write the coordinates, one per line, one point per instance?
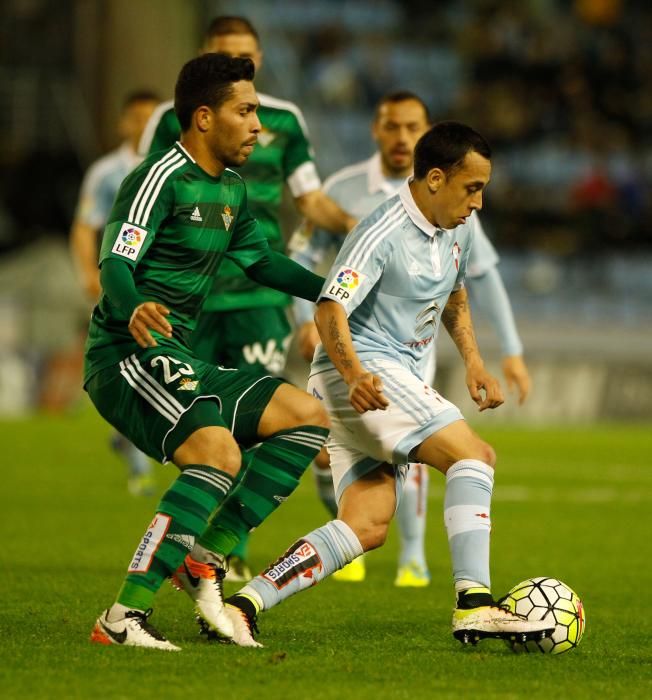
(282, 154)
(173, 224)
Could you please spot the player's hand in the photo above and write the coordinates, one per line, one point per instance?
(479, 380)
(146, 317)
(92, 285)
(308, 339)
(517, 376)
(366, 393)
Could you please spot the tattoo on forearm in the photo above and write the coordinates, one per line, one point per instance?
(457, 320)
(335, 335)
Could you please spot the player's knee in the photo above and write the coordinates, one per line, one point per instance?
(211, 447)
(478, 449)
(372, 535)
(488, 454)
(313, 413)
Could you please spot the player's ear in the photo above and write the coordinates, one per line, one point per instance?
(435, 179)
(203, 118)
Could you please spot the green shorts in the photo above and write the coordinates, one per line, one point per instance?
(158, 397)
(256, 340)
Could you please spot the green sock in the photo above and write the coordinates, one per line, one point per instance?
(273, 474)
(242, 548)
(181, 516)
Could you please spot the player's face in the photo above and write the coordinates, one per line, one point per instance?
(133, 120)
(454, 197)
(397, 128)
(232, 129)
(236, 46)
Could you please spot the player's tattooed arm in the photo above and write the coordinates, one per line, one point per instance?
(338, 344)
(457, 320)
(365, 388)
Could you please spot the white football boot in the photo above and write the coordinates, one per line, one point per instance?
(133, 630)
(486, 621)
(203, 583)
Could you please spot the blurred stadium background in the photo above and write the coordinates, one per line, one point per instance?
(562, 89)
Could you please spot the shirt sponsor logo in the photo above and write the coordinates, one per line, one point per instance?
(227, 217)
(300, 560)
(346, 284)
(129, 241)
(149, 544)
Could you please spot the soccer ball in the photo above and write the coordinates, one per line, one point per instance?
(553, 601)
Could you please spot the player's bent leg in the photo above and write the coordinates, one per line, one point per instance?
(366, 508)
(293, 427)
(368, 505)
(468, 463)
(288, 408)
(202, 572)
(453, 443)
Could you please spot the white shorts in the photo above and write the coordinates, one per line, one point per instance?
(359, 443)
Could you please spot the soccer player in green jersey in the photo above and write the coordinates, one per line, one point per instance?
(175, 218)
(99, 188)
(243, 324)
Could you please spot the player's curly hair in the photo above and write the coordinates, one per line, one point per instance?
(445, 145)
(208, 80)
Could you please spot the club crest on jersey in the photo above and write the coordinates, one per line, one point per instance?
(265, 137)
(457, 251)
(227, 217)
(129, 241)
(187, 384)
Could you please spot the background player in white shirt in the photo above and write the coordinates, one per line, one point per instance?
(99, 188)
(401, 118)
(398, 276)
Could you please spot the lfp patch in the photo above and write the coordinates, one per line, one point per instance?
(348, 278)
(129, 241)
(345, 284)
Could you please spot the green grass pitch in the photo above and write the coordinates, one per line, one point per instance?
(569, 503)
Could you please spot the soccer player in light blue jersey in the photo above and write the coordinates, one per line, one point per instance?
(99, 188)
(401, 118)
(398, 276)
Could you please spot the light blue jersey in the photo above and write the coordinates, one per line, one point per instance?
(359, 189)
(393, 276)
(101, 184)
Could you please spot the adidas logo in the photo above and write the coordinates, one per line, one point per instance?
(196, 215)
(186, 541)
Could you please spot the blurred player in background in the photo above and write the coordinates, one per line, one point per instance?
(398, 276)
(177, 216)
(401, 119)
(243, 324)
(99, 188)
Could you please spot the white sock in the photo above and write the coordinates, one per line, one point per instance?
(411, 515)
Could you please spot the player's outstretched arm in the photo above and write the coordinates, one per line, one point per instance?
(277, 271)
(83, 246)
(489, 296)
(365, 388)
(144, 316)
(457, 320)
(324, 212)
